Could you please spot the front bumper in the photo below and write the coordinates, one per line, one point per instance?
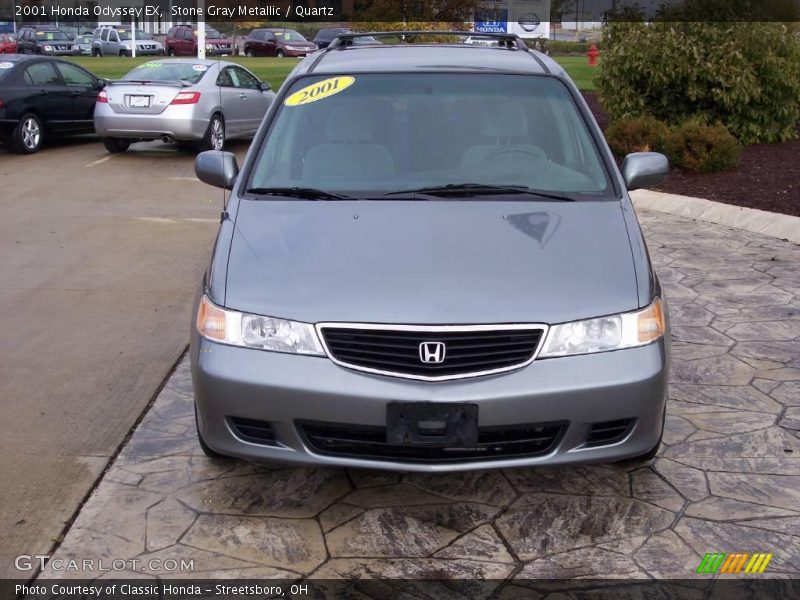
(179, 122)
(153, 52)
(286, 389)
(299, 53)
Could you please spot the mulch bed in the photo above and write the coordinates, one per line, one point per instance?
(767, 178)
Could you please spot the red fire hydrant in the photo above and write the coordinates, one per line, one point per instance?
(593, 53)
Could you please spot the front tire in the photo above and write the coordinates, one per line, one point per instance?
(96, 52)
(124, 54)
(171, 52)
(28, 135)
(280, 53)
(116, 145)
(248, 52)
(214, 139)
(210, 453)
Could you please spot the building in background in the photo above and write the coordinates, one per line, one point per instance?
(526, 18)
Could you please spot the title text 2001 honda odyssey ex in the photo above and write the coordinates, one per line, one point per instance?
(429, 261)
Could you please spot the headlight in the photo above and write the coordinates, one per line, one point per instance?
(614, 332)
(254, 331)
(48, 48)
(209, 47)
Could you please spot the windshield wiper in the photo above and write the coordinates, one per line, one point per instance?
(481, 189)
(297, 192)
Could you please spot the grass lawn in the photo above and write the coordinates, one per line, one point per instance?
(275, 70)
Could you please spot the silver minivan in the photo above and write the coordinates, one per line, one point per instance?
(429, 261)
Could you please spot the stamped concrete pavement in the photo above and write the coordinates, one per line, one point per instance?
(727, 477)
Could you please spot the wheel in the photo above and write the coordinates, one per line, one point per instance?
(280, 53)
(27, 136)
(214, 139)
(95, 52)
(248, 52)
(203, 446)
(116, 145)
(171, 52)
(650, 454)
(123, 54)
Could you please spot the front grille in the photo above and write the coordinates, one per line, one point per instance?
(364, 441)
(253, 431)
(468, 351)
(607, 433)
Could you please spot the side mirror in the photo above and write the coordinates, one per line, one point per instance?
(100, 84)
(264, 86)
(216, 168)
(644, 169)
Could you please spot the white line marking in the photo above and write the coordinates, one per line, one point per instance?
(98, 162)
(168, 221)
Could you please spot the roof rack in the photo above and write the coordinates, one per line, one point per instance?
(505, 40)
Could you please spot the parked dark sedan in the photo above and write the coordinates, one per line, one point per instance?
(42, 96)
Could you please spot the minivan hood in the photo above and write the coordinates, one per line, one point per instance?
(423, 262)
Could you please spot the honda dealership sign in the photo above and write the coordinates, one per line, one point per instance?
(527, 18)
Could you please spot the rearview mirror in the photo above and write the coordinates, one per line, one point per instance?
(264, 86)
(216, 168)
(644, 169)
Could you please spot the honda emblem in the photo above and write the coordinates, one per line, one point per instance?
(432, 352)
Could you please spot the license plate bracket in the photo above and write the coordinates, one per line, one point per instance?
(139, 101)
(432, 424)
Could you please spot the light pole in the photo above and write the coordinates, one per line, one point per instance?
(201, 29)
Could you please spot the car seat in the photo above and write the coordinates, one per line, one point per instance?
(349, 151)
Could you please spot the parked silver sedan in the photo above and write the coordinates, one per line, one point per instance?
(201, 102)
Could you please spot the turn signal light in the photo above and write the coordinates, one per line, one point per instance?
(210, 320)
(651, 323)
(102, 97)
(186, 98)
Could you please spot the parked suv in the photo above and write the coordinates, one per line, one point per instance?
(43, 39)
(277, 42)
(117, 41)
(182, 41)
(429, 261)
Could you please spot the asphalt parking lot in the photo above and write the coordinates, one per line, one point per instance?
(727, 477)
(101, 257)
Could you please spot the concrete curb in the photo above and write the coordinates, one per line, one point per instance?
(785, 227)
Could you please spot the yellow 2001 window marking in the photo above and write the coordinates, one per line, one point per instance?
(318, 91)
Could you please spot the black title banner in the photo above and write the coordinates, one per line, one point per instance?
(396, 11)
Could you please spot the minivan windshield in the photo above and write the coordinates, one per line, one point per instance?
(289, 35)
(374, 135)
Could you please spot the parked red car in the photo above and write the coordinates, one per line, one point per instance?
(8, 44)
(182, 41)
(277, 42)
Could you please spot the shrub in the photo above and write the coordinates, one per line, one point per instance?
(703, 148)
(570, 48)
(636, 134)
(743, 75)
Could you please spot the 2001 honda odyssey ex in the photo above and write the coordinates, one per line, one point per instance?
(429, 261)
